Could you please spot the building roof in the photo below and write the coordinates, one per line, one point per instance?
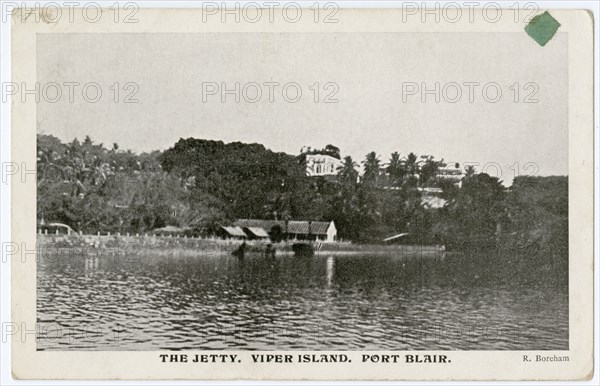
(430, 190)
(396, 237)
(264, 224)
(235, 231)
(295, 227)
(322, 158)
(449, 171)
(303, 227)
(57, 224)
(258, 232)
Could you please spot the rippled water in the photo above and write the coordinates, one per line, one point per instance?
(325, 302)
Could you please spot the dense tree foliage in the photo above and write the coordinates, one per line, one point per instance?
(201, 184)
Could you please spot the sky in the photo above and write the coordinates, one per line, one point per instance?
(375, 82)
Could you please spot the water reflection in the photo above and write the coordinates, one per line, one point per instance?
(330, 265)
(91, 264)
(330, 302)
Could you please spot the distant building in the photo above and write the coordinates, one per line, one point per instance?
(322, 165)
(431, 198)
(299, 230)
(256, 233)
(234, 232)
(450, 173)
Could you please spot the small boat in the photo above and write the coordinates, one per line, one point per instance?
(240, 251)
(303, 249)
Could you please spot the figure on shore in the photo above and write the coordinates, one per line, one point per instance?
(270, 251)
(239, 253)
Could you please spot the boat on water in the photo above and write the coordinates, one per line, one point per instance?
(303, 249)
(240, 251)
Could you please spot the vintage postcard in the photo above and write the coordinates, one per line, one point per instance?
(273, 192)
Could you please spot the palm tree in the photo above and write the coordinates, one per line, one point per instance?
(411, 163)
(429, 167)
(470, 171)
(395, 168)
(347, 172)
(372, 166)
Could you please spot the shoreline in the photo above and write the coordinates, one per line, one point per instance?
(171, 246)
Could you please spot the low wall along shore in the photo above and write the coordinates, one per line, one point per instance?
(190, 246)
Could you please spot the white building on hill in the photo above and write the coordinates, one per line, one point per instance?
(322, 165)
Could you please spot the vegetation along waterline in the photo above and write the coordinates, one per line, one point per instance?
(200, 186)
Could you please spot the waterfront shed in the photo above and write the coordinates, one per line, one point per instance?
(233, 232)
(256, 233)
(299, 230)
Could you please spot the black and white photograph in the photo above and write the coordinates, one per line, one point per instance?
(302, 224)
(323, 195)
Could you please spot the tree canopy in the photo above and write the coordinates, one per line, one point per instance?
(201, 184)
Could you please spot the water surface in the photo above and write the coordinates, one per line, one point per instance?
(356, 302)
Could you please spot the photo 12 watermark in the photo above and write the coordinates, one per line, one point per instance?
(271, 92)
(69, 333)
(452, 12)
(54, 12)
(71, 92)
(469, 92)
(271, 12)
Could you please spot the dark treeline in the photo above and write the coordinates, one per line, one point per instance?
(201, 184)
